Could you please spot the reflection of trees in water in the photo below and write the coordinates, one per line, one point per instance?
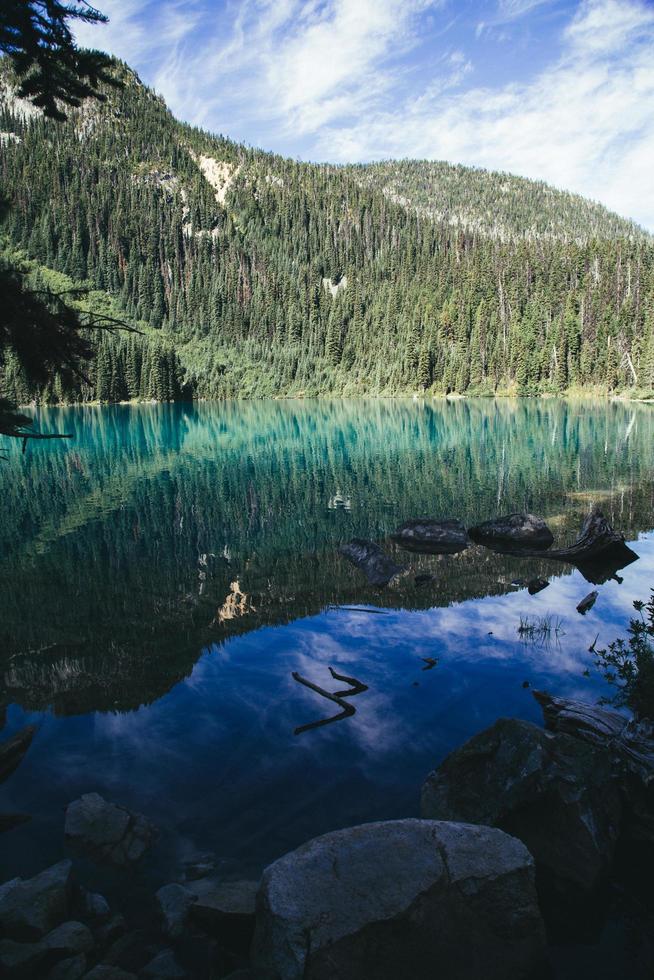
(121, 549)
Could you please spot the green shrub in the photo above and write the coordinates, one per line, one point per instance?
(629, 663)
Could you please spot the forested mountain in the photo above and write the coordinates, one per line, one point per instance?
(496, 204)
(257, 275)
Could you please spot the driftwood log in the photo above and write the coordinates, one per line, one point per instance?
(597, 540)
(599, 551)
(587, 602)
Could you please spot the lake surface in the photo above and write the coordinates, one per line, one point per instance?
(159, 683)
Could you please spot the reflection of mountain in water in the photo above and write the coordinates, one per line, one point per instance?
(122, 549)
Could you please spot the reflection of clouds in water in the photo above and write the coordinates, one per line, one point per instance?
(461, 631)
(243, 689)
(216, 760)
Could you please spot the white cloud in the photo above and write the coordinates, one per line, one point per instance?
(347, 80)
(140, 31)
(511, 9)
(584, 123)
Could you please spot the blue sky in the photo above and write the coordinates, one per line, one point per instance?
(559, 90)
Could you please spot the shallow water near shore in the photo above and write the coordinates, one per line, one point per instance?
(158, 682)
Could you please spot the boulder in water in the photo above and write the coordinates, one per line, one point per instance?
(29, 909)
(536, 585)
(432, 537)
(513, 533)
(556, 793)
(13, 750)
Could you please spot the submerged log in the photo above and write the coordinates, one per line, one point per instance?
(599, 551)
(367, 556)
(13, 750)
(515, 532)
(597, 540)
(430, 537)
(356, 687)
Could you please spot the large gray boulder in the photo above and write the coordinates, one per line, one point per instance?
(107, 831)
(403, 898)
(513, 532)
(104, 971)
(72, 968)
(554, 792)
(163, 966)
(29, 909)
(431, 537)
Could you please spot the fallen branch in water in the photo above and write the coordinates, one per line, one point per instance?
(338, 698)
(348, 709)
(356, 687)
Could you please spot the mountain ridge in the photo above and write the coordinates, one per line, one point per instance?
(273, 277)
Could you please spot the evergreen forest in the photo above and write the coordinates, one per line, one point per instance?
(249, 275)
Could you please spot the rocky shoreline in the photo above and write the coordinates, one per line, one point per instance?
(517, 826)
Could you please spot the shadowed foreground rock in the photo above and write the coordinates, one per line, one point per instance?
(628, 743)
(432, 537)
(225, 909)
(367, 556)
(513, 532)
(31, 908)
(107, 831)
(554, 792)
(404, 898)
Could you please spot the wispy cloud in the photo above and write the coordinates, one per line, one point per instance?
(511, 9)
(583, 123)
(352, 80)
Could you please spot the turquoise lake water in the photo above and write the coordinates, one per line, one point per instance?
(165, 572)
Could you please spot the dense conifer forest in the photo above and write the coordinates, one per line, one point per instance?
(252, 275)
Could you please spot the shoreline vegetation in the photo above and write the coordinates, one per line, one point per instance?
(591, 395)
